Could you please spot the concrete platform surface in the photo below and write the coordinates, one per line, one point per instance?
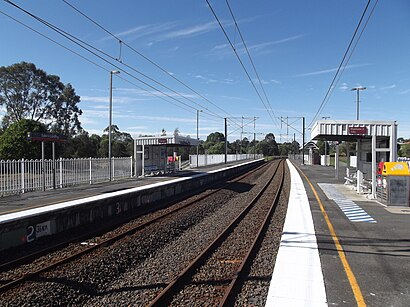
(372, 260)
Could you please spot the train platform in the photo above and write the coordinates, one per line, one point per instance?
(36, 199)
(340, 248)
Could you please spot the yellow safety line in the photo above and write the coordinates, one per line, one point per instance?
(350, 276)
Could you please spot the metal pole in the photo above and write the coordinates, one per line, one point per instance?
(254, 138)
(54, 165)
(337, 161)
(226, 141)
(303, 141)
(357, 89)
(109, 130)
(240, 150)
(43, 171)
(110, 124)
(357, 104)
(197, 138)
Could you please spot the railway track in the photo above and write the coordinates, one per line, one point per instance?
(219, 266)
(22, 270)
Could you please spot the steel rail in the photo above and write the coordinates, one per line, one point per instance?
(108, 241)
(230, 292)
(165, 296)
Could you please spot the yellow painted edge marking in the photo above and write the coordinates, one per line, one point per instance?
(350, 276)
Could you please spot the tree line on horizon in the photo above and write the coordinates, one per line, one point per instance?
(35, 101)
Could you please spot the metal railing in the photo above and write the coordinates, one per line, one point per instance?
(20, 176)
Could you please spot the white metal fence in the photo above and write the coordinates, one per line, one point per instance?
(204, 160)
(19, 176)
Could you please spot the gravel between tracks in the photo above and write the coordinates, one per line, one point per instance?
(131, 271)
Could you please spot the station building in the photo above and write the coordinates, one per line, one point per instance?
(376, 141)
(159, 154)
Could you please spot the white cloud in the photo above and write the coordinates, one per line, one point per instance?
(262, 81)
(206, 79)
(256, 49)
(137, 127)
(260, 46)
(173, 49)
(344, 87)
(131, 31)
(105, 99)
(94, 99)
(188, 32)
(325, 71)
(165, 118)
(404, 92)
(142, 30)
(223, 46)
(389, 87)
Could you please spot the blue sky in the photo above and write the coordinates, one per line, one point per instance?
(296, 47)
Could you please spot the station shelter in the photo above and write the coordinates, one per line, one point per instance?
(159, 154)
(376, 141)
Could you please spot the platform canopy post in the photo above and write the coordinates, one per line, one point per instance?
(337, 161)
(374, 165)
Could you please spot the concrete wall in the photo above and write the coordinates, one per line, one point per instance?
(30, 225)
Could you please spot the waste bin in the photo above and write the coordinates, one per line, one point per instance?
(393, 183)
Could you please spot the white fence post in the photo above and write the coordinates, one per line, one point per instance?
(131, 166)
(91, 172)
(61, 172)
(22, 175)
(113, 168)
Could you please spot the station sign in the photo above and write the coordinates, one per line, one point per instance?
(46, 137)
(162, 141)
(357, 130)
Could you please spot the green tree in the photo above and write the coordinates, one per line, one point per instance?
(121, 143)
(404, 150)
(217, 148)
(27, 92)
(14, 144)
(286, 149)
(81, 146)
(268, 147)
(215, 137)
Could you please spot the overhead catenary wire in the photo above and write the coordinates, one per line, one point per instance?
(80, 44)
(251, 60)
(244, 125)
(239, 59)
(59, 30)
(93, 62)
(353, 49)
(122, 42)
(325, 99)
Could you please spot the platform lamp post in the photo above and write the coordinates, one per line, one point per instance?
(197, 137)
(357, 89)
(113, 72)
